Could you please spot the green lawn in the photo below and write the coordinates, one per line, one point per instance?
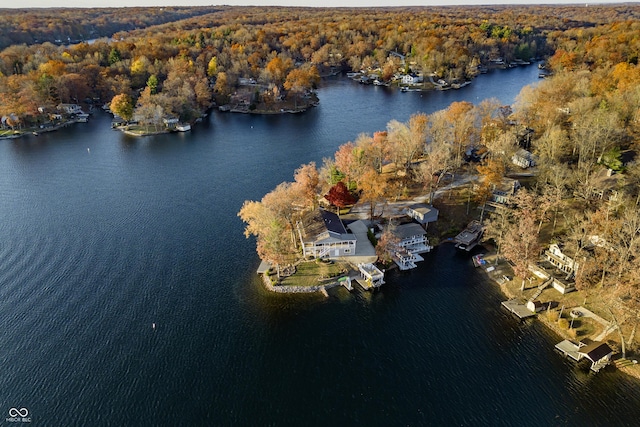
(308, 273)
(145, 129)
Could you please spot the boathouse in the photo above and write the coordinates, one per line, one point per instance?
(468, 238)
(371, 276)
(599, 353)
(535, 306)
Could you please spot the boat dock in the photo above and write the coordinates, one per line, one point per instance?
(569, 349)
(468, 238)
(370, 276)
(517, 308)
(478, 260)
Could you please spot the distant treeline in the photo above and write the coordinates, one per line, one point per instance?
(180, 67)
(63, 26)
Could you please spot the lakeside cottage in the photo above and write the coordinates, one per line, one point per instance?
(323, 235)
(560, 259)
(557, 266)
(503, 192)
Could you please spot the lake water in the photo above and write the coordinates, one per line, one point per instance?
(103, 235)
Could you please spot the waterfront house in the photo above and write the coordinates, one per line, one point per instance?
(523, 158)
(323, 235)
(422, 213)
(412, 79)
(70, 108)
(412, 242)
(559, 258)
(412, 237)
(557, 266)
(170, 122)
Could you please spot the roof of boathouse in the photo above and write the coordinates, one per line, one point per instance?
(594, 350)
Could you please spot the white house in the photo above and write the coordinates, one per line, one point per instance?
(561, 260)
(412, 242)
(323, 235)
(523, 158)
(412, 79)
(170, 122)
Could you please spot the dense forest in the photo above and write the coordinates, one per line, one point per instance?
(181, 67)
(65, 26)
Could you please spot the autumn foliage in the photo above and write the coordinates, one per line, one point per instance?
(340, 196)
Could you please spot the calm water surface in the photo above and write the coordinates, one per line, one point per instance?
(102, 235)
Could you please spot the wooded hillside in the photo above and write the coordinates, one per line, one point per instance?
(64, 26)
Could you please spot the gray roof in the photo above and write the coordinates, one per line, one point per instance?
(332, 222)
(411, 229)
(324, 226)
(429, 213)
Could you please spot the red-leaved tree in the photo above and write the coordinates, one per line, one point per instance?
(340, 196)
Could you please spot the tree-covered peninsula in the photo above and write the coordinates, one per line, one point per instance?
(555, 180)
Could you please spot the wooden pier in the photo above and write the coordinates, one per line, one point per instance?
(517, 308)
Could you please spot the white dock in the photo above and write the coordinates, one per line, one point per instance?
(517, 308)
